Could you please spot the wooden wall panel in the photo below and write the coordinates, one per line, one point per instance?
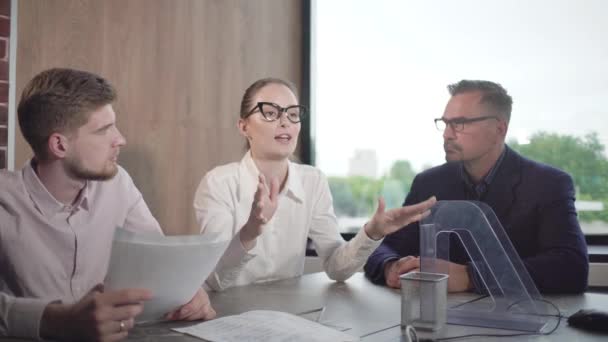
(180, 68)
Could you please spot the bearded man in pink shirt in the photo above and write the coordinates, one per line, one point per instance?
(58, 215)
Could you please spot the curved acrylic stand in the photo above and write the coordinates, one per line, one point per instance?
(513, 299)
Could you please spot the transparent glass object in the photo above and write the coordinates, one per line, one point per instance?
(424, 300)
(513, 301)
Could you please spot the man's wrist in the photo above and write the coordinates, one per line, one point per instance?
(54, 321)
(386, 268)
(470, 275)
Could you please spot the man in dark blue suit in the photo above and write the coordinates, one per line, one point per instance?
(533, 202)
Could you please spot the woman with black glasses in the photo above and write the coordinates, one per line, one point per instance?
(268, 205)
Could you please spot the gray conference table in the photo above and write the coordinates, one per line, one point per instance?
(369, 311)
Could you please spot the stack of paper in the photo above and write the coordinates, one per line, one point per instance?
(172, 267)
(265, 326)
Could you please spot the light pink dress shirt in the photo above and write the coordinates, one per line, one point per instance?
(50, 251)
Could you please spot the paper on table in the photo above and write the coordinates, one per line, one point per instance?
(172, 267)
(265, 326)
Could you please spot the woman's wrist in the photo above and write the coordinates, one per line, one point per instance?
(371, 232)
(247, 238)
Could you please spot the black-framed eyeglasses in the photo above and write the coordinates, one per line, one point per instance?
(272, 112)
(457, 124)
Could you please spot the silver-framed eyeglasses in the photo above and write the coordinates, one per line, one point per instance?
(272, 112)
(457, 124)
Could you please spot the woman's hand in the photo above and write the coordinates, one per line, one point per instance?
(387, 222)
(265, 202)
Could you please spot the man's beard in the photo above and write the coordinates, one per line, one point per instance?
(75, 168)
(455, 149)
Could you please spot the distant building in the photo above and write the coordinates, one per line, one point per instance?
(363, 163)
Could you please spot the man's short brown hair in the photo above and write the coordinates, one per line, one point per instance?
(492, 94)
(59, 100)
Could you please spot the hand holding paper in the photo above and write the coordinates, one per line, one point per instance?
(173, 268)
(100, 315)
(197, 308)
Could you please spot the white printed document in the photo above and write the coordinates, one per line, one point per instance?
(265, 326)
(172, 267)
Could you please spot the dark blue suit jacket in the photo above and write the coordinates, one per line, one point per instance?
(535, 205)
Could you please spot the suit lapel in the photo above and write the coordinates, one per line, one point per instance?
(501, 195)
(454, 188)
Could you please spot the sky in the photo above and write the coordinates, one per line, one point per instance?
(380, 71)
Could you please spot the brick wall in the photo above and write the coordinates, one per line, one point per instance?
(5, 30)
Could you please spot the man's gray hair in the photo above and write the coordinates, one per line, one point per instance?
(493, 94)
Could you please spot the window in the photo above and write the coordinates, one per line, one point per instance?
(380, 70)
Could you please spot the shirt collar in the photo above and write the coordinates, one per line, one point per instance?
(249, 179)
(490, 176)
(487, 180)
(44, 201)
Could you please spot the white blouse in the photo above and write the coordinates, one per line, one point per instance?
(223, 203)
